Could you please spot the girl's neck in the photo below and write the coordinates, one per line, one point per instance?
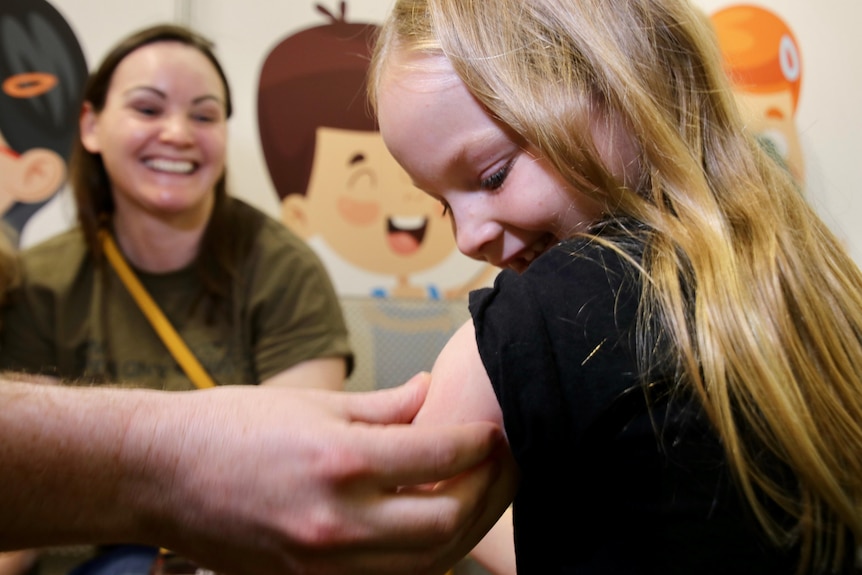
(158, 243)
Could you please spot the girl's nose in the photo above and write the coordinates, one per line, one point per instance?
(475, 232)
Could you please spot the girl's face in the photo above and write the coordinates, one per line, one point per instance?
(162, 132)
(507, 204)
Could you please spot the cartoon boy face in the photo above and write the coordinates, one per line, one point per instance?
(361, 202)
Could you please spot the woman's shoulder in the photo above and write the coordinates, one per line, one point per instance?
(54, 266)
(276, 250)
(65, 239)
(271, 232)
(56, 256)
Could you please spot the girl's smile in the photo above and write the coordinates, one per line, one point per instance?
(508, 205)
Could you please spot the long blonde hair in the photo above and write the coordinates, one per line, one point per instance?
(761, 301)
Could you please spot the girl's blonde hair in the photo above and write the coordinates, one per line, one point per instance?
(761, 301)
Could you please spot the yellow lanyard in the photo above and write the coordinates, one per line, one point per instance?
(172, 340)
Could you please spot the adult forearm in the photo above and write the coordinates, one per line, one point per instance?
(244, 479)
(60, 450)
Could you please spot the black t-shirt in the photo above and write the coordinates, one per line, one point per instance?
(615, 478)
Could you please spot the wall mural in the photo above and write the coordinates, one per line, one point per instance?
(334, 177)
(341, 190)
(42, 72)
(764, 61)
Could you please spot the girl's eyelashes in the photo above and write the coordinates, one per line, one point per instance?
(495, 180)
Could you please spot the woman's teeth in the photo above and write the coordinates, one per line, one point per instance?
(172, 166)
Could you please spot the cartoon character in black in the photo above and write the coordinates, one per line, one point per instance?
(42, 72)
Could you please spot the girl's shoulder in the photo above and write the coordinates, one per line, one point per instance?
(590, 266)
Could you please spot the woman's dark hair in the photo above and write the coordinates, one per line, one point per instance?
(220, 252)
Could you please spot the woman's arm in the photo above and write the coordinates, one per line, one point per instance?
(322, 373)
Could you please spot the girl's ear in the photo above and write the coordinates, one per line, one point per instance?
(88, 124)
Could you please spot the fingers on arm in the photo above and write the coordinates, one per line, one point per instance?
(395, 405)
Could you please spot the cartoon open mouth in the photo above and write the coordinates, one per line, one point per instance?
(405, 233)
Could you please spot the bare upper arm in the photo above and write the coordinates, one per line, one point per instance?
(460, 388)
(461, 391)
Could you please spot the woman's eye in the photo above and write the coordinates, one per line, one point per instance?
(495, 180)
(207, 114)
(147, 110)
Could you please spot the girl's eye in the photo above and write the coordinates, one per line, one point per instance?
(495, 180)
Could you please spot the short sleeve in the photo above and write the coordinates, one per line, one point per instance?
(294, 312)
(556, 342)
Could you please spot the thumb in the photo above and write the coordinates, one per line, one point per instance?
(396, 405)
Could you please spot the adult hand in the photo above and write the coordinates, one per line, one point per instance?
(275, 481)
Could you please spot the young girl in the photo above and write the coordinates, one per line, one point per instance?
(674, 345)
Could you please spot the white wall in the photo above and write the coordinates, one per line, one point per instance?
(97, 25)
(829, 117)
(100, 24)
(245, 31)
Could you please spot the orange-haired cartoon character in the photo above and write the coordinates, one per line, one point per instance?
(763, 59)
(42, 72)
(334, 176)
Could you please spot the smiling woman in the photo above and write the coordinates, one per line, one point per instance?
(161, 133)
(247, 298)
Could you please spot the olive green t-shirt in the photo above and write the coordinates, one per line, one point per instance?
(65, 321)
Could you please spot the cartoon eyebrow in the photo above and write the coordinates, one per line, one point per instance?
(357, 158)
